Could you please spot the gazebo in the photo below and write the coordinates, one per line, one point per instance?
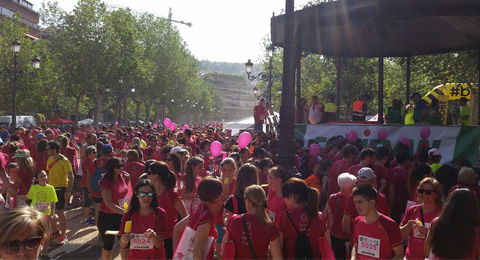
(369, 28)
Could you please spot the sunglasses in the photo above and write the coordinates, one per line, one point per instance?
(14, 246)
(119, 166)
(143, 194)
(428, 192)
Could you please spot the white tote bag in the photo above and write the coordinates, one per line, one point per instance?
(185, 246)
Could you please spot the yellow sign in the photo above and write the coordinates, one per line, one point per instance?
(453, 91)
(443, 108)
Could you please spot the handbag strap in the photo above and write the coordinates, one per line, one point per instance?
(421, 215)
(235, 204)
(248, 237)
(306, 230)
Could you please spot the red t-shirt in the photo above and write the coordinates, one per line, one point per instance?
(120, 145)
(86, 164)
(71, 155)
(201, 215)
(41, 159)
(316, 230)
(155, 220)
(147, 153)
(382, 206)
(260, 236)
(383, 172)
(377, 240)
(135, 169)
(167, 200)
(416, 242)
(337, 203)
(27, 180)
(191, 143)
(400, 178)
(260, 113)
(337, 168)
(79, 137)
(120, 193)
(275, 205)
(98, 163)
(354, 169)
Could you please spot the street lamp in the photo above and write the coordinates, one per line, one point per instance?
(15, 71)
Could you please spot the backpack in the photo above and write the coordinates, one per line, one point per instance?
(97, 177)
(302, 245)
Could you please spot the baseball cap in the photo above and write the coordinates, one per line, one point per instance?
(124, 134)
(433, 152)
(366, 174)
(41, 135)
(177, 149)
(107, 147)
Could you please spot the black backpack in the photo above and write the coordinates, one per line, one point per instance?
(302, 245)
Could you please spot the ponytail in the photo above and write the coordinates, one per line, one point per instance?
(166, 176)
(256, 196)
(302, 194)
(171, 180)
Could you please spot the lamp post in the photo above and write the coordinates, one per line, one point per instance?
(16, 71)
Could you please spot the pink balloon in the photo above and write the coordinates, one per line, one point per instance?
(154, 125)
(166, 122)
(216, 148)
(405, 141)
(425, 132)
(244, 139)
(352, 136)
(315, 150)
(116, 123)
(172, 126)
(185, 127)
(382, 134)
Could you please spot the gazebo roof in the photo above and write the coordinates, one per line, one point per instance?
(351, 28)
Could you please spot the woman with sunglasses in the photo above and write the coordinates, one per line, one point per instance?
(168, 199)
(115, 193)
(22, 233)
(148, 224)
(417, 219)
(262, 233)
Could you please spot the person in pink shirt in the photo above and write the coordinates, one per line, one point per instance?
(133, 166)
(366, 159)
(277, 176)
(91, 153)
(341, 166)
(398, 196)
(376, 236)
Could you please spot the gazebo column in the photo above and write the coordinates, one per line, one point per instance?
(380, 89)
(338, 67)
(478, 86)
(298, 66)
(407, 98)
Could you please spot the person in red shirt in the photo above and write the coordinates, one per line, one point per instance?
(277, 176)
(261, 230)
(122, 144)
(365, 175)
(259, 115)
(148, 224)
(341, 166)
(191, 180)
(69, 152)
(417, 219)
(467, 178)
(190, 142)
(375, 235)
(152, 151)
(399, 192)
(115, 193)
(133, 166)
(91, 152)
(202, 218)
(384, 176)
(301, 216)
(169, 199)
(366, 158)
(334, 209)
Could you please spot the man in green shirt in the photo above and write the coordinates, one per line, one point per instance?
(395, 113)
(465, 112)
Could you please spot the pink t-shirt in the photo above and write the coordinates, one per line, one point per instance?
(167, 200)
(337, 203)
(120, 193)
(337, 168)
(382, 206)
(135, 169)
(201, 215)
(275, 205)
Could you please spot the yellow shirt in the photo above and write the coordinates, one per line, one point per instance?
(409, 118)
(41, 197)
(58, 171)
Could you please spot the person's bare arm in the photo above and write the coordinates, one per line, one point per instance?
(398, 252)
(276, 248)
(201, 235)
(354, 252)
(347, 224)
(107, 199)
(180, 208)
(178, 231)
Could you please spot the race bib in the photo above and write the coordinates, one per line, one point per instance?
(271, 215)
(41, 206)
(122, 201)
(369, 246)
(140, 242)
(416, 231)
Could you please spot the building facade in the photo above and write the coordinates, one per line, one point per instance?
(31, 18)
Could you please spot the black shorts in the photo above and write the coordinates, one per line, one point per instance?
(61, 197)
(107, 221)
(97, 200)
(87, 202)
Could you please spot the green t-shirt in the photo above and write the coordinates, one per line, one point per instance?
(465, 111)
(394, 115)
(41, 197)
(409, 118)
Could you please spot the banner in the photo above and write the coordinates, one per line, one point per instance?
(453, 91)
(454, 142)
(443, 108)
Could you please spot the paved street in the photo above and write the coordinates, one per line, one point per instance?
(83, 240)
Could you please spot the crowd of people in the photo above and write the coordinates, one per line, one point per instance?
(161, 194)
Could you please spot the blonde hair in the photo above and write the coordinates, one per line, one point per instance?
(25, 161)
(436, 186)
(256, 196)
(14, 222)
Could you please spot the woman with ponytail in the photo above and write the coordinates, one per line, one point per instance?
(168, 199)
(277, 176)
(262, 232)
(26, 171)
(301, 218)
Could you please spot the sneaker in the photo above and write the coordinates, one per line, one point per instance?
(54, 235)
(90, 221)
(62, 240)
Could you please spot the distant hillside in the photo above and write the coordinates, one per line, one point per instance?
(227, 67)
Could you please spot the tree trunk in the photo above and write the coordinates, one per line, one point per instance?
(148, 106)
(77, 107)
(125, 118)
(98, 104)
(137, 111)
(158, 111)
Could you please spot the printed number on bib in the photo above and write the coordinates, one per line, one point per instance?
(416, 231)
(271, 215)
(41, 206)
(140, 242)
(369, 246)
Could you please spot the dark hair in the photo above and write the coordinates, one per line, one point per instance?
(453, 234)
(381, 153)
(302, 194)
(189, 178)
(54, 146)
(209, 189)
(42, 145)
(132, 155)
(402, 156)
(90, 149)
(366, 152)
(12, 165)
(204, 143)
(263, 162)
(134, 203)
(166, 176)
(110, 168)
(246, 176)
(188, 132)
(365, 190)
(166, 149)
(416, 176)
(147, 164)
(280, 172)
(177, 162)
(36, 175)
(348, 150)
